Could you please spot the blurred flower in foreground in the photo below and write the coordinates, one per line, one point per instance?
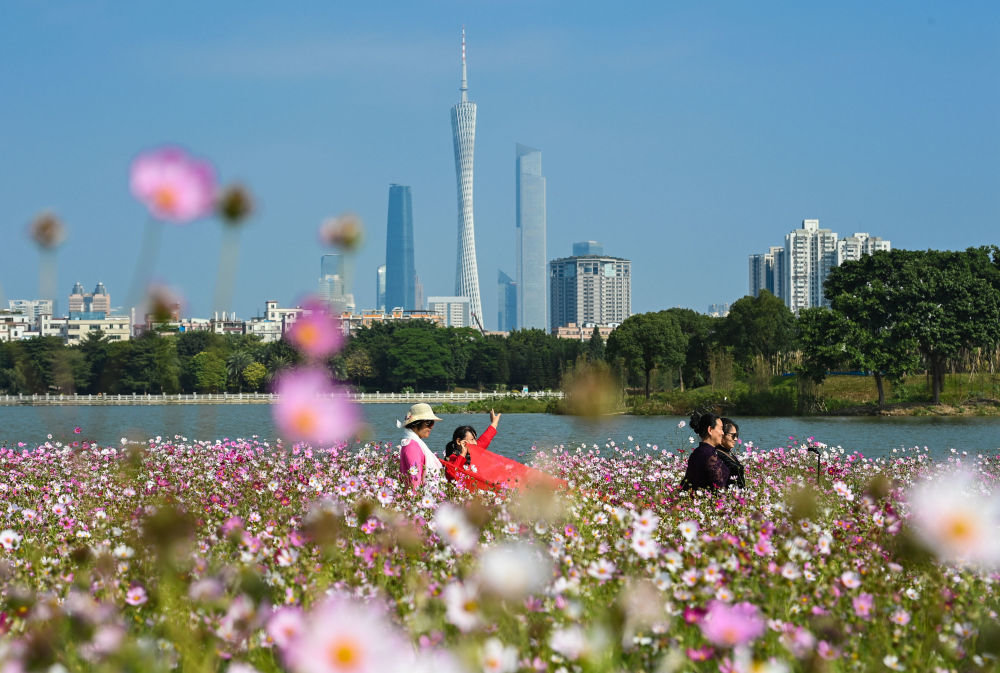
(452, 527)
(956, 521)
(311, 409)
(47, 231)
(162, 304)
(514, 570)
(344, 231)
(732, 625)
(317, 333)
(342, 635)
(173, 185)
(235, 204)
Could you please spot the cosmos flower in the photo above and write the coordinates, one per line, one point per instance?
(173, 185)
(311, 409)
(956, 520)
(452, 527)
(514, 570)
(316, 333)
(285, 626)
(497, 657)
(732, 625)
(136, 596)
(462, 606)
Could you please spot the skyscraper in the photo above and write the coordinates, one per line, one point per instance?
(506, 302)
(380, 288)
(333, 283)
(590, 289)
(463, 131)
(530, 227)
(400, 271)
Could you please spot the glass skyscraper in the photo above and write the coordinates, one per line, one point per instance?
(463, 131)
(506, 302)
(530, 233)
(400, 271)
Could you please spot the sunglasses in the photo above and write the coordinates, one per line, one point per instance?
(731, 435)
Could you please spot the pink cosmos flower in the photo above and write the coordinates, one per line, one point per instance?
(285, 626)
(77, 430)
(317, 333)
(730, 626)
(136, 596)
(173, 185)
(311, 409)
(863, 605)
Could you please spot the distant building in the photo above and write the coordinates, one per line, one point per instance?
(400, 266)
(94, 305)
(796, 272)
(333, 283)
(380, 287)
(351, 322)
(718, 310)
(454, 311)
(594, 289)
(13, 325)
(32, 308)
(506, 303)
(585, 248)
(75, 330)
(582, 332)
(530, 235)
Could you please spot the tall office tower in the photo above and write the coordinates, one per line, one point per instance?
(530, 226)
(77, 298)
(333, 287)
(100, 301)
(400, 270)
(767, 272)
(463, 131)
(810, 253)
(506, 302)
(380, 288)
(590, 289)
(89, 305)
(587, 248)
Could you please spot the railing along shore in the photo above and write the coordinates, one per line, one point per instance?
(255, 398)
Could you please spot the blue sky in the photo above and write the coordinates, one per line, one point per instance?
(682, 135)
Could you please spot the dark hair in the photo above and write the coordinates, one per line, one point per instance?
(730, 423)
(453, 449)
(417, 425)
(701, 423)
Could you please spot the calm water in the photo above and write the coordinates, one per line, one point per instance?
(519, 433)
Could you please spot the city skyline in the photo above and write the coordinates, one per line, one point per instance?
(681, 129)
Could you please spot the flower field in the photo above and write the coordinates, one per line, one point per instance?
(239, 555)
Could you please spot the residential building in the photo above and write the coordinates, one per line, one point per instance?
(351, 322)
(594, 289)
(13, 325)
(400, 267)
(582, 332)
(463, 131)
(112, 328)
(454, 311)
(506, 302)
(530, 234)
(32, 308)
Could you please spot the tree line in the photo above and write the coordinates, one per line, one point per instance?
(891, 314)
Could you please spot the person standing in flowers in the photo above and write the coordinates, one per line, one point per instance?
(705, 468)
(725, 451)
(464, 439)
(415, 459)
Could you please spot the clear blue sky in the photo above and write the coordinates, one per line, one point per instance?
(682, 135)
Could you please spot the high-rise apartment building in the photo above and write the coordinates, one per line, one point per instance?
(797, 271)
(32, 309)
(380, 287)
(530, 234)
(506, 302)
(400, 267)
(590, 289)
(89, 305)
(463, 131)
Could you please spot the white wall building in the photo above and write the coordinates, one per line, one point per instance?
(454, 311)
(33, 308)
(114, 328)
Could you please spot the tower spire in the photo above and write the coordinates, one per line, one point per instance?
(465, 84)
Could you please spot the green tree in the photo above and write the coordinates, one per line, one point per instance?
(358, 365)
(167, 364)
(759, 326)
(254, 375)
(209, 372)
(416, 359)
(595, 346)
(698, 328)
(646, 341)
(236, 363)
(489, 365)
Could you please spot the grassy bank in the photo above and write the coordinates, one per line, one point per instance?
(512, 404)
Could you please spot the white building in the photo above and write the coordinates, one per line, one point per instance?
(113, 328)
(590, 289)
(454, 311)
(33, 308)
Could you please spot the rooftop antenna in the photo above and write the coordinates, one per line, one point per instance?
(465, 84)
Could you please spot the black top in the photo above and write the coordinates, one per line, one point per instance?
(736, 471)
(706, 469)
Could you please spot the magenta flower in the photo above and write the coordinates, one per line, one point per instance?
(136, 596)
(316, 333)
(863, 605)
(173, 185)
(311, 409)
(77, 430)
(731, 626)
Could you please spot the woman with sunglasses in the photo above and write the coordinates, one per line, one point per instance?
(705, 467)
(730, 435)
(415, 459)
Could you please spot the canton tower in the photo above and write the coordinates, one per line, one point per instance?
(463, 131)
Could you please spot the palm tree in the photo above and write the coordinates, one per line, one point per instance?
(235, 364)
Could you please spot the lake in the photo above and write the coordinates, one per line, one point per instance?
(519, 436)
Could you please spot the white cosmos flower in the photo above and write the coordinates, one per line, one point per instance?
(956, 521)
(497, 657)
(514, 569)
(646, 522)
(602, 569)
(462, 603)
(644, 546)
(9, 539)
(569, 642)
(452, 527)
(688, 529)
